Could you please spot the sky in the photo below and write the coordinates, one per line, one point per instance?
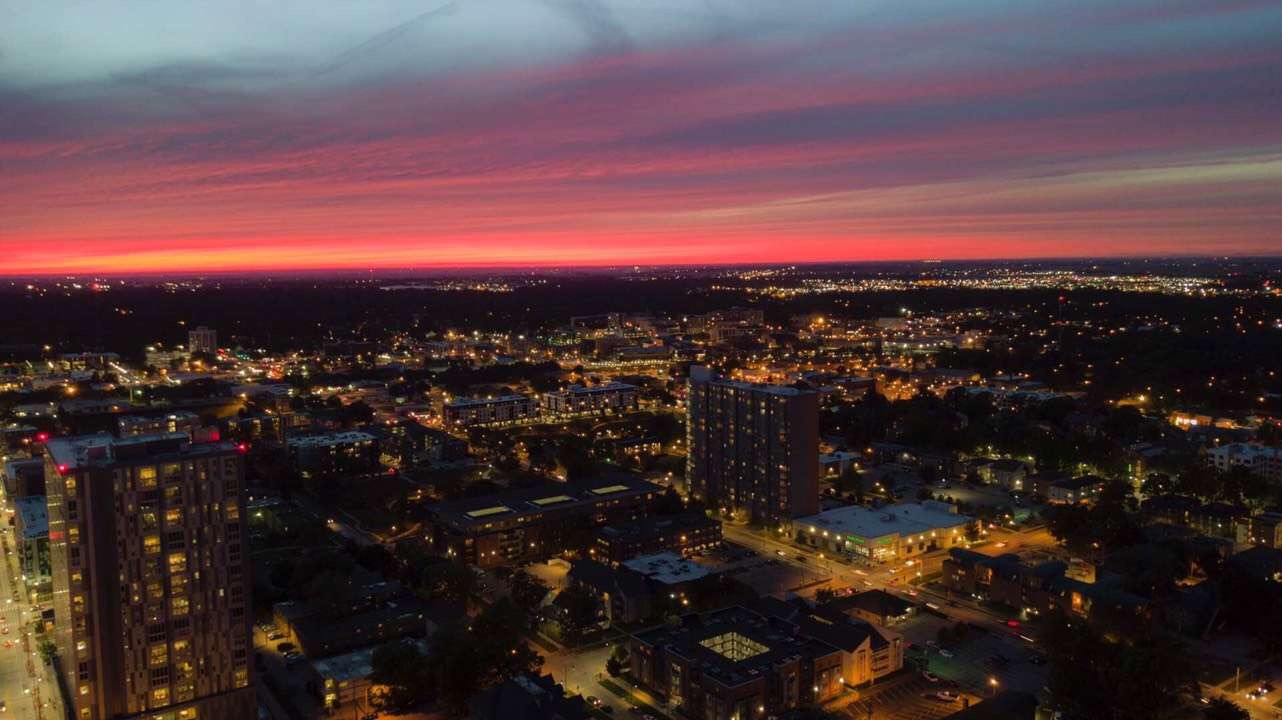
(160, 136)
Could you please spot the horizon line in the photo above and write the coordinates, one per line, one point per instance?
(554, 268)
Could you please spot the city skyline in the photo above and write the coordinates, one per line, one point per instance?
(394, 135)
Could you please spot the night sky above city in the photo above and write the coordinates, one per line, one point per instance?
(220, 136)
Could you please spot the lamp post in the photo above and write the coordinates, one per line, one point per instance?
(992, 683)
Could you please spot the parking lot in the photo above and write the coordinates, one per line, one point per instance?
(909, 698)
(976, 661)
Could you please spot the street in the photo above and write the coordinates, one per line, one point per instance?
(27, 686)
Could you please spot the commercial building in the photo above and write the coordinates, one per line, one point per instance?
(885, 534)
(1262, 460)
(684, 533)
(150, 578)
(536, 523)
(753, 448)
(575, 400)
(461, 413)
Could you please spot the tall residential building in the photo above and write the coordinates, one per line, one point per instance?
(150, 577)
(753, 448)
(202, 339)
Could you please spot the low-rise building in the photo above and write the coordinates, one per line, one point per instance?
(536, 523)
(461, 413)
(876, 606)
(1067, 491)
(736, 663)
(1263, 530)
(31, 527)
(319, 633)
(1262, 460)
(1006, 580)
(526, 697)
(576, 400)
(885, 534)
(182, 421)
(683, 533)
(350, 451)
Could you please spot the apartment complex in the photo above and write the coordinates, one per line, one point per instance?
(776, 659)
(591, 400)
(1261, 460)
(461, 413)
(753, 448)
(536, 523)
(683, 533)
(202, 339)
(182, 421)
(150, 578)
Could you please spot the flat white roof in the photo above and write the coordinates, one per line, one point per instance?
(668, 568)
(866, 522)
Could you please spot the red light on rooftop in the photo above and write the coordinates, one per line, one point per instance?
(62, 469)
(42, 437)
(242, 448)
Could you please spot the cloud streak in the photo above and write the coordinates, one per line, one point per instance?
(625, 134)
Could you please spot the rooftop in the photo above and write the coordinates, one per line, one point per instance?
(33, 514)
(529, 501)
(668, 568)
(70, 453)
(903, 519)
(347, 437)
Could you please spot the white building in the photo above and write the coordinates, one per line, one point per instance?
(885, 534)
(1261, 460)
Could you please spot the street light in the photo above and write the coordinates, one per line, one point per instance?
(992, 682)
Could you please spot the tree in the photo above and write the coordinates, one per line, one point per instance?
(48, 650)
(618, 661)
(1224, 709)
(400, 667)
(454, 582)
(526, 591)
(1093, 676)
(581, 610)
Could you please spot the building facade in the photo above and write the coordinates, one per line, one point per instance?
(683, 533)
(202, 339)
(536, 523)
(1262, 460)
(461, 413)
(150, 577)
(752, 448)
(736, 663)
(575, 400)
(885, 534)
